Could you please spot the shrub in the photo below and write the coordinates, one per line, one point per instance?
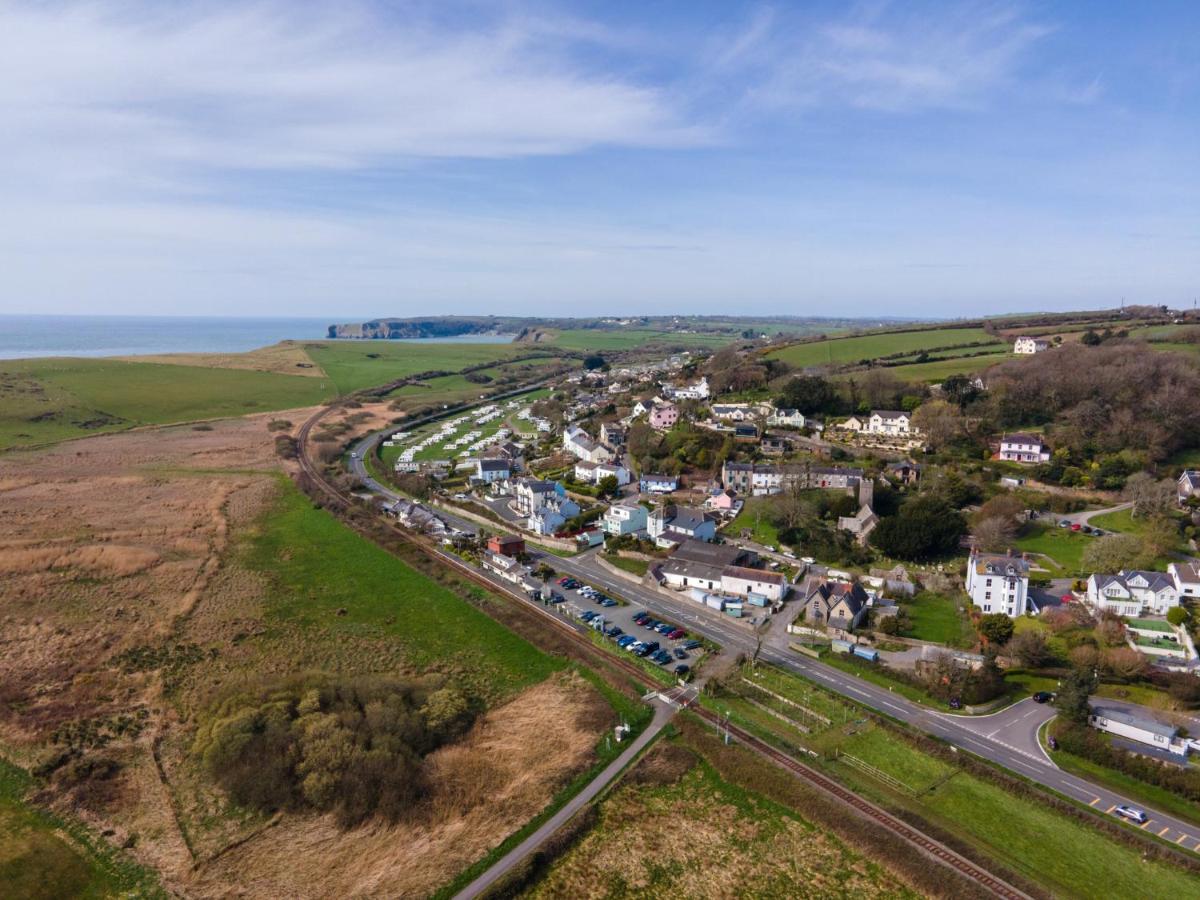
(1177, 615)
(1080, 740)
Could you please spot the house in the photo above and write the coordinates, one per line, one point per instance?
(612, 435)
(1133, 593)
(681, 574)
(745, 581)
(734, 412)
(998, 583)
(855, 423)
(1186, 577)
(658, 484)
(489, 470)
(745, 432)
(906, 471)
(722, 501)
(663, 416)
(675, 523)
(860, 525)
(696, 391)
(1189, 485)
(786, 418)
(531, 494)
(889, 422)
(579, 442)
(594, 473)
(764, 480)
(719, 555)
(1125, 723)
(624, 518)
(1025, 345)
(774, 446)
(591, 537)
(506, 545)
(504, 566)
(546, 521)
(833, 604)
(1023, 448)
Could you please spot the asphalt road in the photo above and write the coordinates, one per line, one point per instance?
(1007, 738)
(662, 715)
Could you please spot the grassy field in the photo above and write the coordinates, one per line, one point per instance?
(631, 339)
(353, 365)
(45, 400)
(677, 828)
(1062, 545)
(634, 566)
(1069, 857)
(755, 516)
(937, 618)
(939, 370)
(872, 346)
(325, 576)
(43, 857)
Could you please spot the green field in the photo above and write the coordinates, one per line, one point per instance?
(354, 365)
(636, 567)
(1062, 545)
(44, 400)
(755, 516)
(632, 338)
(939, 370)
(936, 618)
(872, 346)
(318, 568)
(43, 857)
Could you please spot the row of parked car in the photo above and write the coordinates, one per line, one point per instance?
(1085, 529)
(586, 590)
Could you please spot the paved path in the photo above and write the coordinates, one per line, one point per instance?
(1086, 516)
(662, 714)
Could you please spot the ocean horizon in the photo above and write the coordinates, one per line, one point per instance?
(30, 336)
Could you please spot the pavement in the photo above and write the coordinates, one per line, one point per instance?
(1007, 738)
(663, 712)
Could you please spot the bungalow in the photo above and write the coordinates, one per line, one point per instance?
(998, 583)
(1186, 577)
(1025, 345)
(489, 470)
(745, 432)
(506, 544)
(676, 523)
(1125, 723)
(745, 581)
(855, 423)
(680, 574)
(786, 418)
(833, 604)
(1023, 448)
(658, 484)
(663, 416)
(1189, 485)
(890, 422)
(624, 518)
(1133, 593)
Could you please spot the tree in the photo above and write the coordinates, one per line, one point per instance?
(924, 528)
(1124, 662)
(960, 390)
(996, 628)
(1030, 649)
(1072, 698)
(996, 533)
(608, 486)
(1113, 553)
(1091, 339)
(809, 394)
(1149, 495)
(593, 362)
(1177, 615)
(940, 422)
(1084, 658)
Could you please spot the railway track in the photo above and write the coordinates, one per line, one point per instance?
(527, 609)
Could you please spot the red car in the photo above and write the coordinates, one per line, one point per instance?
(1076, 527)
(676, 634)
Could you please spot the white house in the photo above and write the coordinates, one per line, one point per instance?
(998, 584)
(1023, 448)
(676, 523)
(734, 412)
(696, 391)
(594, 473)
(889, 421)
(579, 442)
(744, 581)
(550, 517)
(531, 494)
(624, 518)
(854, 423)
(786, 418)
(489, 470)
(1189, 485)
(1027, 345)
(1186, 577)
(1127, 724)
(1133, 593)
(504, 566)
(658, 484)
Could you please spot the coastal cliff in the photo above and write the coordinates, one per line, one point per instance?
(394, 329)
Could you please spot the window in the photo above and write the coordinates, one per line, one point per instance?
(989, 582)
(987, 595)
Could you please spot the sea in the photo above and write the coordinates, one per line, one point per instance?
(27, 336)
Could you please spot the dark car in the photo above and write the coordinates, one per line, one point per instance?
(955, 703)
(1064, 523)
(682, 669)
(1053, 742)
(680, 653)
(653, 645)
(665, 628)
(614, 631)
(589, 615)
(1043, 697)
(691, 645)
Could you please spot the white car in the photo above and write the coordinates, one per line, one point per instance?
(1132, 813)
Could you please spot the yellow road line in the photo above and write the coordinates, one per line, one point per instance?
(1181, 839)
(1164, 831)
(1146, 824)
(1111, 808)
(1094, 802)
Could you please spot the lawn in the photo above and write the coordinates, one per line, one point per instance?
(634, 566)
(45, 400)
(1062, 545)
(43, 857)
(755, 516)
(873, 346)
(939, 619)
(354, 365)
(324, 576)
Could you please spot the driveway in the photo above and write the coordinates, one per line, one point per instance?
(1083, 518)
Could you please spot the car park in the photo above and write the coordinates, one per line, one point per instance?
(1130, 813)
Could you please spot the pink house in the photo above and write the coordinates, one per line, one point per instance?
(721, 501)
(664, 416)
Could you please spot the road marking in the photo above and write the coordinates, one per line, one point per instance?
(1111, 808)
(1146, 824)
(1094, 802)
(1181, 839)
(1164, 831)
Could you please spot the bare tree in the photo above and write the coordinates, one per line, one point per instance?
(1149, 495)
(996, 533)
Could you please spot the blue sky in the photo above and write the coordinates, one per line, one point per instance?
(362, 159)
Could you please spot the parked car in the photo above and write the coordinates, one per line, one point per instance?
(635, 647)
(664, 627)
(955, 703)
(1064, 523)
(682, 669)
(614, 631)
(652, 646)
(1076, 527)
(625, 641)
(608, 602)
(589, 615)
(680, 653)
(676, 634)
(691, 645)
(1132, 813)
(1043, 697)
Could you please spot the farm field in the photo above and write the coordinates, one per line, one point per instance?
(354, 365)
(43, 400)
(631, 339)
(872, 346)
(677, 828)
(939, 370)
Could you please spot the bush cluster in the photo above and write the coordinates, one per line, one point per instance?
(1089, 744)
